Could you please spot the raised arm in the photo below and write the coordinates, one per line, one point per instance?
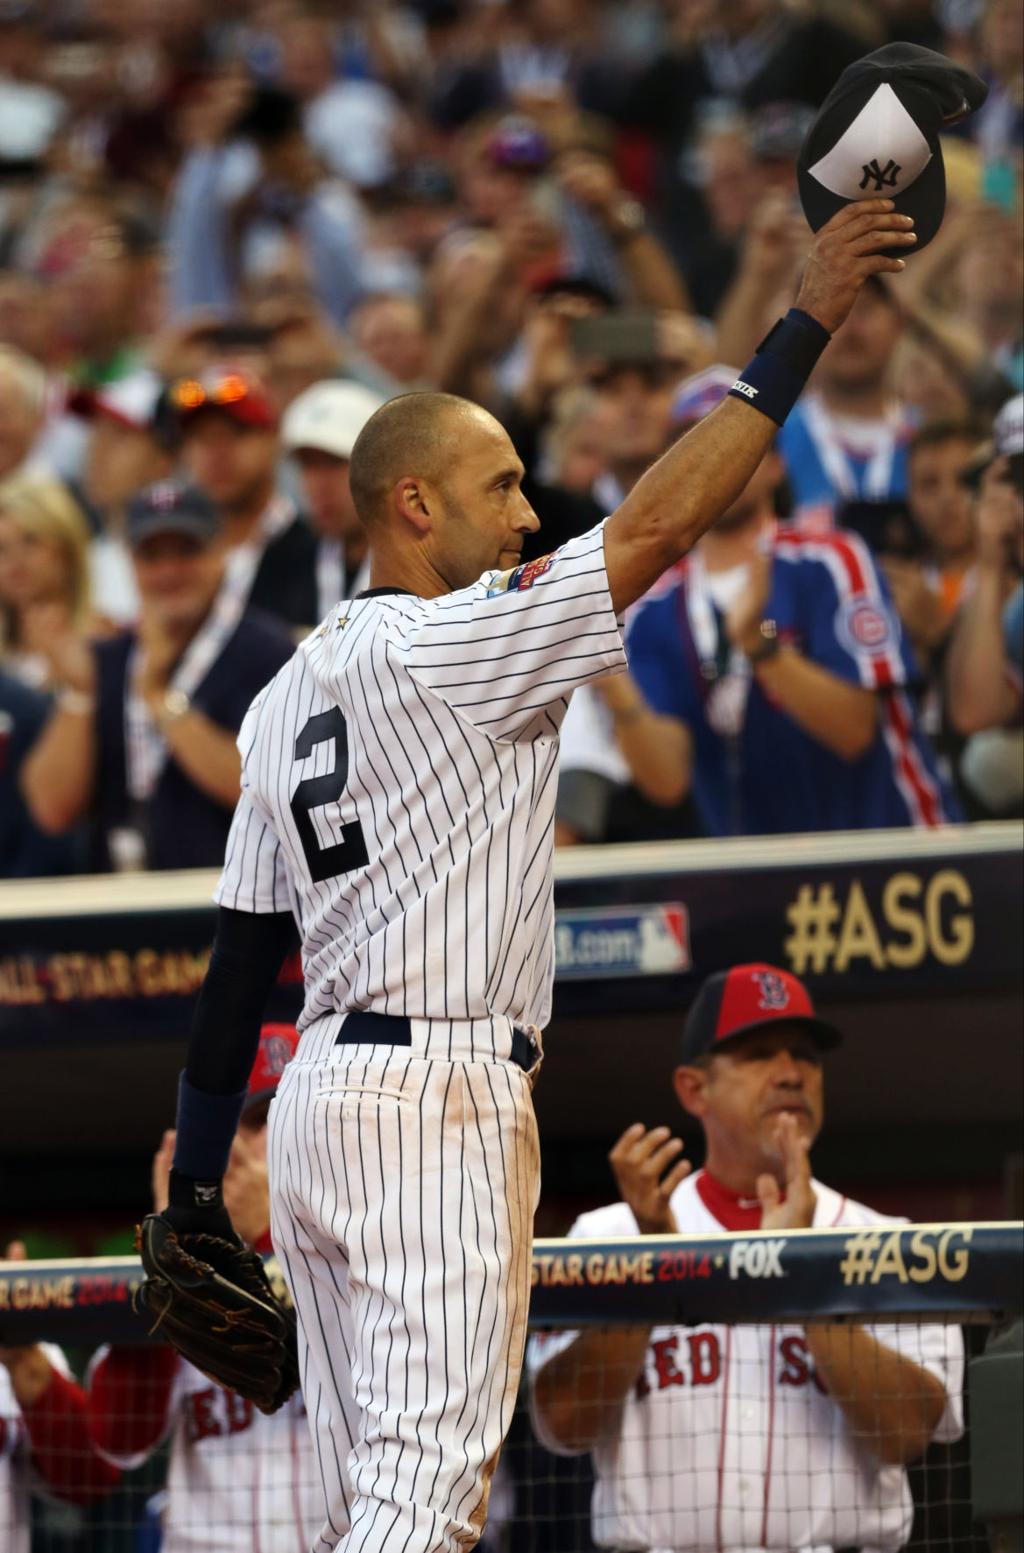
(701, 475)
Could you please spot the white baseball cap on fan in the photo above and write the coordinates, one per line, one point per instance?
(328, 417)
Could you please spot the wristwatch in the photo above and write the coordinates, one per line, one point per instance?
(769, 644)
(175, 704)
(629, 219)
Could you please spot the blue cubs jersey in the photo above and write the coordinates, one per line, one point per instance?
(764, 774)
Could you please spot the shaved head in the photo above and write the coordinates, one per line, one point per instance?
(415, 435)
(437, 484)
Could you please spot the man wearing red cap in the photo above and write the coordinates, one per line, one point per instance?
(230, 447)
(234, 1473)
(726, 1438)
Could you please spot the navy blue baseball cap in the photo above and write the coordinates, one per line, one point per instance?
(876, 135)
(735, 1003)
(171, 507)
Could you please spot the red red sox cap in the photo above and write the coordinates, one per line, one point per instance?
(746, 998)
(275, 1052)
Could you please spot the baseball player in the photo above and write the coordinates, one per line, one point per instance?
(398, 788)
(712, 1437)
(44, 1436)
(236, 1478)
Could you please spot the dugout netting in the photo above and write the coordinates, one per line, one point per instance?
(745, 1391)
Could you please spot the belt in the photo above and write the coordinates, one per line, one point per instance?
(364, 1028)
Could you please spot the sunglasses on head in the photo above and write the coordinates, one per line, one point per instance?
(189, 393)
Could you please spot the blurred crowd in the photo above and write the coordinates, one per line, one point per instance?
(228, 234)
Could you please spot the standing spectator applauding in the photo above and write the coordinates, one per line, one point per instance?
(771, 672)
(143, 738)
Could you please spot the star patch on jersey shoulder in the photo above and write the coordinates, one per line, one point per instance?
(520, 577)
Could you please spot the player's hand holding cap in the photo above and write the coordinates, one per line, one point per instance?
(877, 135)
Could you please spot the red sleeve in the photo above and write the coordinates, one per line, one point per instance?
(129, 1394)
(62, 1450)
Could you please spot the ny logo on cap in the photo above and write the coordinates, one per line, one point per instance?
(885, 177)
(774, 992)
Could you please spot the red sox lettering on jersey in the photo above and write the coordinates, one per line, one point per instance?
(238, 1480)
(728, 1440)
(398, 795)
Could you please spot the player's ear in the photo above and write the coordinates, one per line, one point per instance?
(689, 1085)
(413, 503)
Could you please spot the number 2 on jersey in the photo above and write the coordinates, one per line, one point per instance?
(313, 792)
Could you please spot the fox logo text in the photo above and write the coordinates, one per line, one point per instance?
(756, 1259)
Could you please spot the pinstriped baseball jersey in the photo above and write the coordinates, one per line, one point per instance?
(398, 790)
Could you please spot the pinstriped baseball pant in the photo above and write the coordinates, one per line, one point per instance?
(402, 1202)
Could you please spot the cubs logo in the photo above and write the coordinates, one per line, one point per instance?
(774, 992)
(865, 627)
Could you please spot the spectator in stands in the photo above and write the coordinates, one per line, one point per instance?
(44, 578)
(319, 430)
(233, 1472)
(142, 742)
(352, 124)
(573, 448)
(22, 400)
(927, 589)
(44, 1436)
(125, 450)
(230, 448)
(984, 666)
(98, 256)
(770, 672)
(847, 439)
(25, 852)
(791, 1436)
(740, 53)
(249, 194)
(390, 329)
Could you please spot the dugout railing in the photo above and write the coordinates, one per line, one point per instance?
(728, 1362)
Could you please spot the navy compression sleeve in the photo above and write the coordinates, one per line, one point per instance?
(248, 952)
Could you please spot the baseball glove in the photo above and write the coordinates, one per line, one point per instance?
(211, 1300)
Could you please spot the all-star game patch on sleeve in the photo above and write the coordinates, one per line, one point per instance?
(518, 642)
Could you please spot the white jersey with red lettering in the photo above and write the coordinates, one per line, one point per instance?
(728, 1441)
(238, 1480)
(17, 1479)
(398, 795)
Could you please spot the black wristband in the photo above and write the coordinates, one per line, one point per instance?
(197, 1207)
(184, 1192)
(777, 376)
(798, 340)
